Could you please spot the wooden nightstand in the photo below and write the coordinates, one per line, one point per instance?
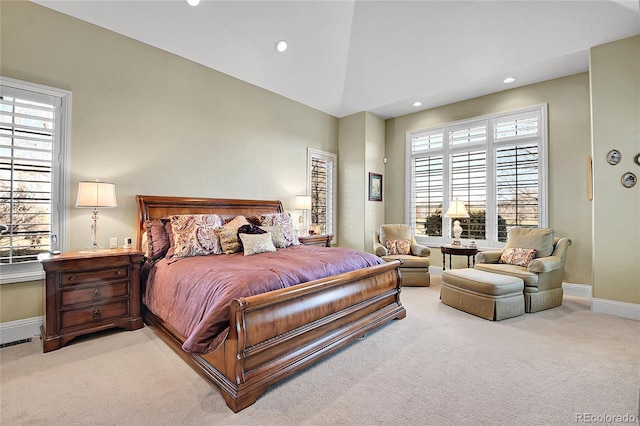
(87, 292)
(316, 240)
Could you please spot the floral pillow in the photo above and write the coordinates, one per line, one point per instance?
(284, 220)
(194, 234)
(517, 256)
(256, 243)
(157, 239)
(398, 246)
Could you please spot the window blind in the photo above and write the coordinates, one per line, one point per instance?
(28, 134)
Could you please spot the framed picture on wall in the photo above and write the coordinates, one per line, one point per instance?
(375, 187)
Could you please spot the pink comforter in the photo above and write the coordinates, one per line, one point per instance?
(193, 295)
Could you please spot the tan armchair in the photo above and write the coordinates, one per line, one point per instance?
(415, 267)
(543, 276)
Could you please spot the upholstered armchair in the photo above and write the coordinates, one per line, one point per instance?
(392, 242)
(541, 272)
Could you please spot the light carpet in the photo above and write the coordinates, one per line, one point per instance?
(438, 366)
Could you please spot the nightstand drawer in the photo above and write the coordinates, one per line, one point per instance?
(93, 314)
(94, 293)
(75, 278)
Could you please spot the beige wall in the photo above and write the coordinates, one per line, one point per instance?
(156, 124)
(569, 147)
(362, 145)
(615, 98)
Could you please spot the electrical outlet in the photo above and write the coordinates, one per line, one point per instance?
(113, 242)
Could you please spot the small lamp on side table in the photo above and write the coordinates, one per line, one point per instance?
(303, 202)
(94, 194)
(456, 210)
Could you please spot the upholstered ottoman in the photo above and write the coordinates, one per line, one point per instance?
(491, 296)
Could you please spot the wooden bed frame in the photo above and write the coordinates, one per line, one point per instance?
(277, 334)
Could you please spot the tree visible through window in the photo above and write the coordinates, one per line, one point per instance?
(322, 183)
(494, 164)
(30, 135)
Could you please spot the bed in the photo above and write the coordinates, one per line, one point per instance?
(273, 335)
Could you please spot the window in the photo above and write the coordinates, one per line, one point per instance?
(322, 188)
(34, 122)
(495, 164)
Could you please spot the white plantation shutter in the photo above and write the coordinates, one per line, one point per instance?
(494, 164)
(323, 182)
(31, 132)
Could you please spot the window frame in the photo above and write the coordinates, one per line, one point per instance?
(32, 270)
(333, 159)
(491, 145)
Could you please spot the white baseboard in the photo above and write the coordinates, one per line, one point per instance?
(613, 307)
(577, 290)
(12, 331)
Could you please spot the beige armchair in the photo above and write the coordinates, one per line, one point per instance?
(543, 275)
(415, 266)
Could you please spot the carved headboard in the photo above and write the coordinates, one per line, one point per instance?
(152, 207)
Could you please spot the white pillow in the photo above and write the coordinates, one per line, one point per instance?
(257, 243)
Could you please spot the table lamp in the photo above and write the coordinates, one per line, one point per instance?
(456, 210)
(95, 194)
(302, 202)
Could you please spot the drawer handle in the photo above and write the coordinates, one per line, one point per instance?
(119, 272)
(96, 314)
(72, 278)
(96, 293)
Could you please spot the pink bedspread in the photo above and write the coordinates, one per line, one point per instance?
(193, 295)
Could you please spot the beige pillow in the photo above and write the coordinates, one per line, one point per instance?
(257, 243)
(237, 222)
(540, 239)
(228, 239)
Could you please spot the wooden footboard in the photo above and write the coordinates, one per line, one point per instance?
(276, 334)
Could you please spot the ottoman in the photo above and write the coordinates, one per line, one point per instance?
(491, 296)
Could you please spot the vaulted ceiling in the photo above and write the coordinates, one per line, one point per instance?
(379, 56)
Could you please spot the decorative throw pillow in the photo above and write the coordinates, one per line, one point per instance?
(518, 256)
(277, 235)
(194, 234)
(237, 222)
(540, 239)
(398, 246)
(229, 241)
(257, 243)
(157, 239)
(284, 220)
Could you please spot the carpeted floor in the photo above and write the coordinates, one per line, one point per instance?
(437, 366)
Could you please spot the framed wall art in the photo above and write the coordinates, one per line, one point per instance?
(375, 187)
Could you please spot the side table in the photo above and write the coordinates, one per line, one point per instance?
(316, 240)
(458, 250)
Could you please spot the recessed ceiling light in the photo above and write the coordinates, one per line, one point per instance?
(509, 80)
(192, 2)
(281, 46)
(417, 104)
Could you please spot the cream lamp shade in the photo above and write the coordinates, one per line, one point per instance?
(302, 202)
(456, 210)
(94, 194)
